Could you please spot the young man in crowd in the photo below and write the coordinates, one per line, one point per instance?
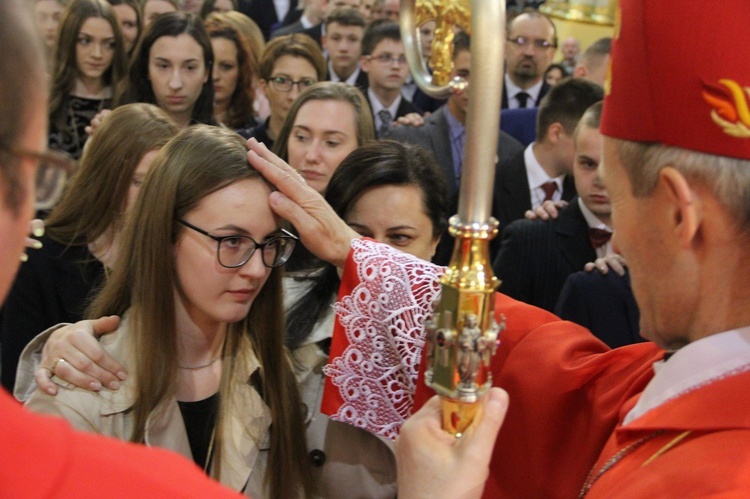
(384, 62)
(343, 44)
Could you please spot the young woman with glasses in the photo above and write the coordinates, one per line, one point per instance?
(89, 62)
(289, 65)
(198, 289)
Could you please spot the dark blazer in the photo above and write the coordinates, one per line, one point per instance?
(603, 303)
(295, 27)
(362, 82)
(316, 33)
(53, 286)
(263, 13)
(434, 137)
(512, 193)
(259, 132)
(520, 124)
(542, 93)
(537, 256)
(404, 107)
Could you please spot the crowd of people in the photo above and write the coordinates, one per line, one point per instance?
(163, 142)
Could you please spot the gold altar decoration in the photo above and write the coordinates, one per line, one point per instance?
(587, 11)
(462, 334)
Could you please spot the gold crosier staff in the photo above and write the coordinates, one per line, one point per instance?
(462, 334)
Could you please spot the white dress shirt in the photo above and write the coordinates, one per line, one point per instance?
(594, 223)
(537, 176)
(694, 365)
(511, 89)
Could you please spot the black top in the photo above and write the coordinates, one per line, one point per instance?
(78, 115)
(200, 420)
(55, 285)
(259, 133)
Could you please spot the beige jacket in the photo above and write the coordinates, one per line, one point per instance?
(106, 412)
(347, 462)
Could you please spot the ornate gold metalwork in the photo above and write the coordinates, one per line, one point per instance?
(446, 15)
(588, 11)
(463, 334)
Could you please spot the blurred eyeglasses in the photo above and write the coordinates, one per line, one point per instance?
(52, 174)
(235, 251)
(522, 41)
(387, 58)
(284, 84)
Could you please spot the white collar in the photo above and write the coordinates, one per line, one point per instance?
(696, 364)
(591, 219)
(335, 77)
(511, 89)
(535, 173)
(378, 106)
(305, 22)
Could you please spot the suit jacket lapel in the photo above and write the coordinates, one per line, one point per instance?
(514, 187)
(574, 242)
(440, 140)
(569, 188)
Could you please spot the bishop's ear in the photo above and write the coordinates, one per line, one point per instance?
(682, 204)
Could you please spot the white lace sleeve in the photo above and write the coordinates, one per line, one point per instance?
(383, 320)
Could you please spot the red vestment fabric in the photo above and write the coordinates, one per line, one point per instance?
(45, 457)
(568, 392)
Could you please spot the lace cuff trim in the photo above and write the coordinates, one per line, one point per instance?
(382, 319)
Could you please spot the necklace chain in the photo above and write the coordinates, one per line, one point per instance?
(203, 366)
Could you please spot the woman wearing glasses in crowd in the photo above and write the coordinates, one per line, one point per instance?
(58, 280)
(235, 64)
(89, 62)
(289, 65)
(393, 193)
(172, 68)
(198, 289)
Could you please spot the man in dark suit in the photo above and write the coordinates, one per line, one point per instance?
(529, 49)
(443, 135)
(345, 28)
(264, 13)
(384, 61)
(543, 170)
(312, 15)
(602, 303)
(443, 132)
(537, 256)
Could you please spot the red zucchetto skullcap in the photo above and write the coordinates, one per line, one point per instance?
(680, 75)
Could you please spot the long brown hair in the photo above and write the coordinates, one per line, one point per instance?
(335, 91)
(95, 199)
(240, 109)
(65, 65)
(199, 161)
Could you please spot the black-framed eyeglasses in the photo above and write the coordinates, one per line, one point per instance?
(386, 58)
(235, 251)
(284, 84)
(52, 174)
(522, 41)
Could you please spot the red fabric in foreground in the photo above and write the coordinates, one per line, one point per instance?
(45, 457)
